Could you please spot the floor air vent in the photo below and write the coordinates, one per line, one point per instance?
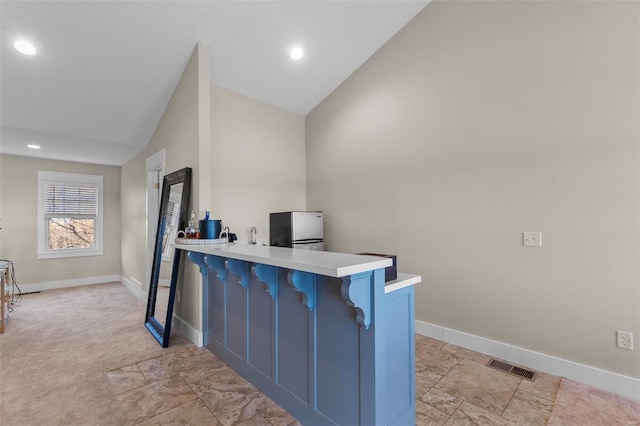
(512, 369)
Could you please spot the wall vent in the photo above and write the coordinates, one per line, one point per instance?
(512, 369)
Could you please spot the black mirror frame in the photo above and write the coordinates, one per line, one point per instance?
(159, 331)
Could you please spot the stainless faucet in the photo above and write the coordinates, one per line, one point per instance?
(253, 233)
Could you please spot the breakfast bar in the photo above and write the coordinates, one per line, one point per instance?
(320, 333)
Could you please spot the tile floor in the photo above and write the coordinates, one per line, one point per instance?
(453, 387)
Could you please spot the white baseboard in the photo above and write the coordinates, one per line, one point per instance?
(178, 323)
(76, 282)
(186, 330)
(592, 376)
(133, 285)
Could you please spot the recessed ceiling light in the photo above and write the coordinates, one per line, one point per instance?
(296, 53)
(33, 146)
(25, 47)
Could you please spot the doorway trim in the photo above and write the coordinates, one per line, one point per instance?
(155, 171)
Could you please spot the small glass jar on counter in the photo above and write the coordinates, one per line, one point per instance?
(191, 231)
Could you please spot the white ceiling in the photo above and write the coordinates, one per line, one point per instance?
(105, 70)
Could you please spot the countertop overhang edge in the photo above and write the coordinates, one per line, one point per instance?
(348, 264)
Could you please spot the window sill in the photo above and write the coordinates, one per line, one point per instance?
(70, 253)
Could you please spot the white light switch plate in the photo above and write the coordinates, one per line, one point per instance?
(532, 239)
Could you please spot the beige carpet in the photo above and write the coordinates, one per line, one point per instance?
(57, 347)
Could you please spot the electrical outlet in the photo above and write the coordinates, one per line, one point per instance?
(532, 239)
(624, 340)
(178, 296)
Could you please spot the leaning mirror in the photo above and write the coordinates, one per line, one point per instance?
(174, 205)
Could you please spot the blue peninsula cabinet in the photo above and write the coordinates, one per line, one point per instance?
(320, 333)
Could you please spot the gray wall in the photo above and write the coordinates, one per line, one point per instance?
(476, 122)
(19, 238)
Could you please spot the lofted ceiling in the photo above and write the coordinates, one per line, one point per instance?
(105, 70)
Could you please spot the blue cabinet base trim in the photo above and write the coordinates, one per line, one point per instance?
(294, 406)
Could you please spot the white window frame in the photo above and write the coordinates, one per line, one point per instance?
(69, 179)
(167, 252)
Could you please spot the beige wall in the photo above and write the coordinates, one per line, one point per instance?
(258, 162)
(179, 133)
(481, 120)
(19, 239)
(248, 159)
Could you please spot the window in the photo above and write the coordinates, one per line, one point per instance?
(69, 215)
(173, 211)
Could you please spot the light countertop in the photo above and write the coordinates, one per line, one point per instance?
(316, 262)
(403, 280)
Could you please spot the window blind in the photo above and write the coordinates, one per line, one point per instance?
(172, 212)
(70, 200)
